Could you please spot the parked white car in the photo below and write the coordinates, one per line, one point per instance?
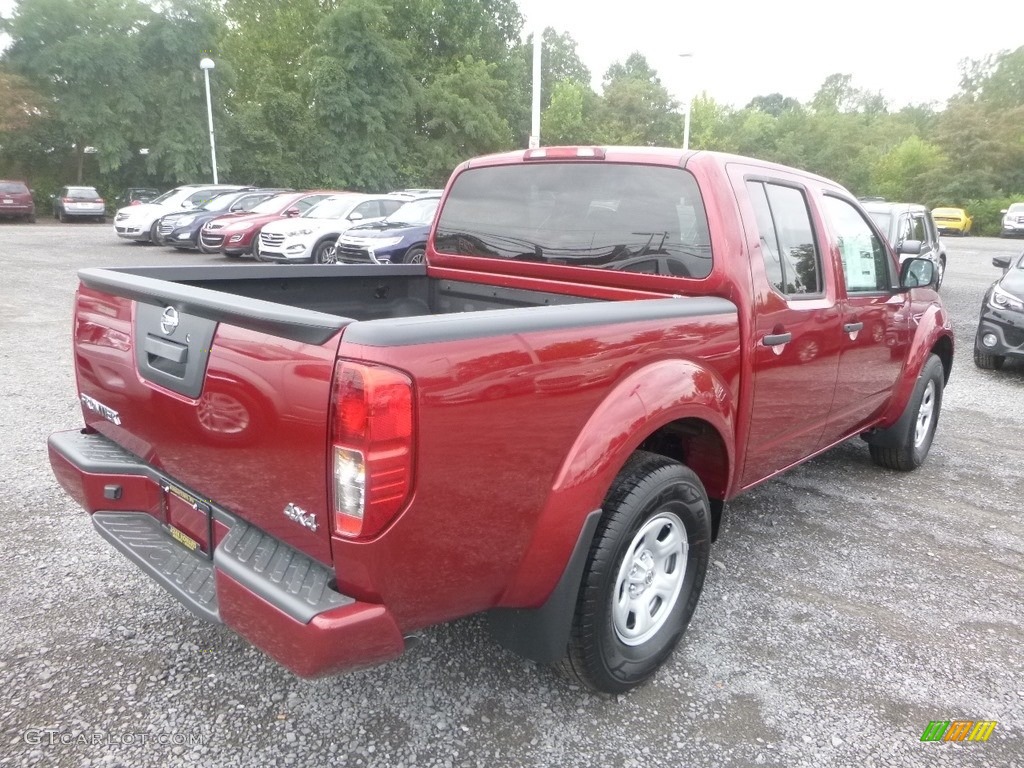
(311, 236)
(139, 222)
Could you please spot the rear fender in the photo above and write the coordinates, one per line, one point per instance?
(636, 407)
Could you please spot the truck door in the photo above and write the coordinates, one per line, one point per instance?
(876, 322)
(795, 342)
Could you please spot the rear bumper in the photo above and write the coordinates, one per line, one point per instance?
(276, 597)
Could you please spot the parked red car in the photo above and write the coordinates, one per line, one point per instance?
(16, 200)
(235, 235)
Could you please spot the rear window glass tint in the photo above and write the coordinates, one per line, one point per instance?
(13, 188)
(632, 218)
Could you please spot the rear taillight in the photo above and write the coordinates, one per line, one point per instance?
(371, 447)
(66, 200)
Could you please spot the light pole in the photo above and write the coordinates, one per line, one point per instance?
(206, 65)
(688, 96)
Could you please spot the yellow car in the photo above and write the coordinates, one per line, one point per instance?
(952, 221)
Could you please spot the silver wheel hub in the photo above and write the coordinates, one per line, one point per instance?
(650, 579)
(925, 414)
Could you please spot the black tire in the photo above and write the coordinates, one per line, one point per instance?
(31, 218)
(942, 273)
(924, 407)
(154, 233)
(61, 216)
(414, 255)
(649, 499)
(323, 252)
(988, 362)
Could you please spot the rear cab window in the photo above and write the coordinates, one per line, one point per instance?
(614, 216)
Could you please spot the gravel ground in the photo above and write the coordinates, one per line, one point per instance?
(846, 608)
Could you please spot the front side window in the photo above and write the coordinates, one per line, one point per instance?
(589, 214)
(865, 259)
(791, 259)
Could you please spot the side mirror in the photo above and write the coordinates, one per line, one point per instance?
(1003, 262)
(291, 212)
(910, 248)
(917, 273)
(355, 217)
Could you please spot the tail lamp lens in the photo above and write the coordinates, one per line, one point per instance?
(371, 447)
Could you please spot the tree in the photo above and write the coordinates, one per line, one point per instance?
(461, 119)
(637, 109)
(908, 171)
(364, 97)
(774, 104)
(570, 118)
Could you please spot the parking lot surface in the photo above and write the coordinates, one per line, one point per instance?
(846, 608)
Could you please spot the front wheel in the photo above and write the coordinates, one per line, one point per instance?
(414, 255)
(988, 362)
(643, 576)
(923, 409)
(941, 269)
(323, 253)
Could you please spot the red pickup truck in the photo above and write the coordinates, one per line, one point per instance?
(542, 422)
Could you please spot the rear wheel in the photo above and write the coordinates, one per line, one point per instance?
(643, 576)
(61, 215)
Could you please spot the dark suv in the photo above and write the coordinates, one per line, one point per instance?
(911, 231)
(16, 201)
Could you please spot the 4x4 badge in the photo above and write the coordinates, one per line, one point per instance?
(300, 516)
(169, 321)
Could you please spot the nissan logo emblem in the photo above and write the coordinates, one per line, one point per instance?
(169, 321)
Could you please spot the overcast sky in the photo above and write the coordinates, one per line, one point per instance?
(743, 48)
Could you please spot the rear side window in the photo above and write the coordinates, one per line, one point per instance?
(791, 259)
(632, 218)
(13, 188)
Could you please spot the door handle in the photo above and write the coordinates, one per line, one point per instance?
(852, 327)
(775, 339)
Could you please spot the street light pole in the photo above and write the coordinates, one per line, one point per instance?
(206, 65)
(689, 101)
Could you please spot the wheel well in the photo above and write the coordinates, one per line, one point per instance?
(698, 445)
(944, 349)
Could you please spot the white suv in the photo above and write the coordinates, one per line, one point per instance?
(311, 236)
(139, 222)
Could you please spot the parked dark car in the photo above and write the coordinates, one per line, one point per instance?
(401, 238)
(16, 201)
(181, 230)
(79, 203)
(1001, 327)
(134, 195)
(911, 232)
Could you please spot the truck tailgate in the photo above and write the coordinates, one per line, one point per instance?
(229, 401)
